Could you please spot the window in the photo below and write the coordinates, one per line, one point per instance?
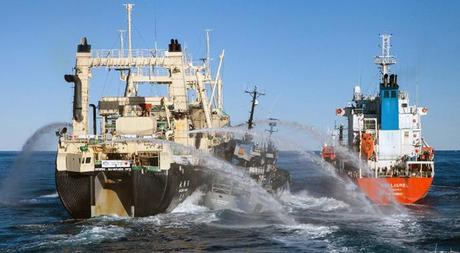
(370, 124)
(153, 161)
(88, 160)
(393, 94)
(386, 94)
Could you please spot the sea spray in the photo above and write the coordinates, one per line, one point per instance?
(22, 172)
(238, 175)
(342, 151)
(213, 164)
(352, 195)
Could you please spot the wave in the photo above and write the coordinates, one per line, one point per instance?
(87, 235)
(191, 204)
(303, 200)
(51, 195)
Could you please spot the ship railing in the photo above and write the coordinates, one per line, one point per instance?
(420, 168)
(125, 53)
(98, 139)
(412, 169)
(221, 188)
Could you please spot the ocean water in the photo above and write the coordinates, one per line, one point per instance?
(330, 214)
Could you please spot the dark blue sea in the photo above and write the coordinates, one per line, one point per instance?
(330, 216)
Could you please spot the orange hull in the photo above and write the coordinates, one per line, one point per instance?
(403, 190)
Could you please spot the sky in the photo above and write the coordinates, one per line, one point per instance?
(305, 55)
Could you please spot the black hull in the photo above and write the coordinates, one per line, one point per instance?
(139, 193)
(279, 180)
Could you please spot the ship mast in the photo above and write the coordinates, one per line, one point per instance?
(385, 59)
(272, 124)
(129, 8)
(122, 41)
(131, 89)
(254, 95)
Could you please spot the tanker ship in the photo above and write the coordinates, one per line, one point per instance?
(395, 163)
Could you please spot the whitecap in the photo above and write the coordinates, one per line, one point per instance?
(304, 235)
(303, 200)
(52, 195)
(191, 204)
(310, 231)
(93, 234)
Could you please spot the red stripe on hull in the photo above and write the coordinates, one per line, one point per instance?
(403, 190)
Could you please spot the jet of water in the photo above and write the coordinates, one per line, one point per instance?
(13, 186)
(227, 170)
(325, 167)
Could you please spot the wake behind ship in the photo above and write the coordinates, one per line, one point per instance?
(385, 132)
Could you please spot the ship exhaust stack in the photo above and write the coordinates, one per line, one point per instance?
(93, 106)
(81, 81)
(77, 101)
(174, 46)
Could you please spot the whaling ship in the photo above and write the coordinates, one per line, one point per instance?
(258, 159)
(386, 133)
(132, 167)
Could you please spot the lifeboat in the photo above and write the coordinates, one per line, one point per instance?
(367, 145)
(328, 153)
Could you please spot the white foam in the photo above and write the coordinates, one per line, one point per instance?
(300, 235)
(309, 230)
(88, 235)
(98, 233)
(303, 200)
(186, 213)
(52, 195)
(191, 204)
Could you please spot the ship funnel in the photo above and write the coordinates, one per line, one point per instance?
(385, 80)
(175, 46)
(392, 80)
(84, 47)
(77, 99)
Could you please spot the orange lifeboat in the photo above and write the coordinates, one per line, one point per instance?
(367, 145)
(427, 154)
(328, 153)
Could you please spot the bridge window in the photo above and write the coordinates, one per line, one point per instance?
(393, 94)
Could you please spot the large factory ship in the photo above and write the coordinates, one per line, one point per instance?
(396, 163)
(131, 168)
(141, 161)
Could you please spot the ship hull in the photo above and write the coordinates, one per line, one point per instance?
(403, 190)
(127, 193)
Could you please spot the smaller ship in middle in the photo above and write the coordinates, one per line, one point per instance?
(257, 158)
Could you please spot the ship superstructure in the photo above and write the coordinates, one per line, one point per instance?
(126, 169)
(385, 132)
